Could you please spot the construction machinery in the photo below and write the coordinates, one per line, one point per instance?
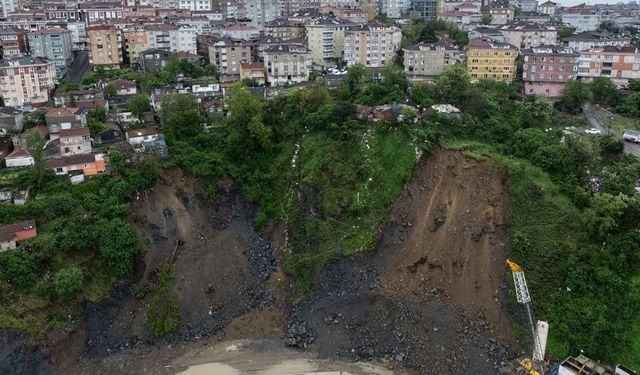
(539, 331)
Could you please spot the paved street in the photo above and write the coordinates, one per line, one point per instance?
(595, 122)
(79, 66)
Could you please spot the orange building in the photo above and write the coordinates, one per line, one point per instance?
(14, 233)
(78, 165)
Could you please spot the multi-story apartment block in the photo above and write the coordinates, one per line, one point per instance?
(159, 36)
(105, 47)
(14, 42)
(135, 41)
(78, 31)
(195, 4)
(186, 40)
(500, 13)
(100, 12)
(524, 34)
(62, 11)
(582, 19)
(620, 64)
(284, 29)
(201, 24)
(394, 8)
(460, 18)
(423, 8)
(55, 45)
(425, 61)
(287, 64)
(548, 7)
(547, 69)
(326, 39)
(487, 58)
(589, 39)
(451, 5)
(372, 45)
(26, 81)
(259, 11)
(9, 6)
(227, 54)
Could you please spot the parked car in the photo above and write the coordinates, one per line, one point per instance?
(631, 135)
(593, 131)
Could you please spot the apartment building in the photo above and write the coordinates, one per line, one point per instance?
(423, 8)
(523, 34)
(100, 12)
(135, 42)
(582, 19)
(547, 69)
(284, 29)
(373, 45)
(548, 7)
(227, 54)
(195, 4)
(425, 61)
(487, 58)
(589, 39)
(394, 8)
(105, 47)
(14, 42)
(186, 40)
(26, 81)
(460, 18)
(620, 64)
(54, 44)
(9, 6)
(325, 36)
(287, 64)
(78, 31)
(500, 13)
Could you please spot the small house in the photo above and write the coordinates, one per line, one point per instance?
(63, 119)
(20, 199)
(19, 158)
(10, 120)
(11, 234)
(75, 141)
(88, 165)
(6, 195)
(138, 136)
(124, 87)
(254, 71)
(110, 135)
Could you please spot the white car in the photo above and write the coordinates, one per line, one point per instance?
(593, 131)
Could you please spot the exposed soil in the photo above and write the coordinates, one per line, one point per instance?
(429, 297)
(427, 301)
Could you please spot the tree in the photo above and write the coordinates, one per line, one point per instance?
(35, 145)
(565, 32)
(68, 282)
(118, 245)
(355, 77)
(574, 96)
(517, 11)
(19, 268)
(181, 117)
(603, 217)
(99, 113)
(486, 20)
(138, 105)
(453, 84)
(604, 91)
(634, 85)
(536, 110)
(611, 146)
(247, 133)
(111, 90)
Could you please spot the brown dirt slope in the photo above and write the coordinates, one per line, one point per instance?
(429, 297)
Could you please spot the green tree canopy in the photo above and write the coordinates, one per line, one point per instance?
(68, 282)
(574, 96)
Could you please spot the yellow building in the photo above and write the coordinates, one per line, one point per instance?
(135, 42)
(487, 58)
(105, 47)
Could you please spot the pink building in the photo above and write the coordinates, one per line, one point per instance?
(547, 69)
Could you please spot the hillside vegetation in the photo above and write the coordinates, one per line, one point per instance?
(330, 179)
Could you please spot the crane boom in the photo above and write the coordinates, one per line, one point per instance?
(523, 297)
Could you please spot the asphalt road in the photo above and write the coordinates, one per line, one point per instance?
(79, 66)
(595, 122)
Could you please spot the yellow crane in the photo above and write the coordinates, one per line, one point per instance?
(539, 331)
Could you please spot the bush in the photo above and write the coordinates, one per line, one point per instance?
(68, 282)
(19, 268)
(164, 310)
